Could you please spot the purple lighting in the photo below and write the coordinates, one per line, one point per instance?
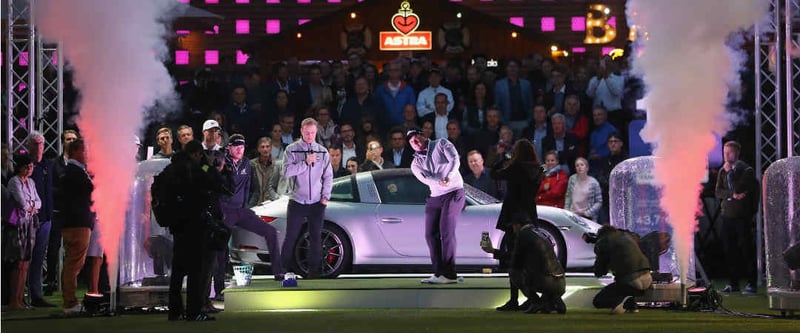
(212, 57)
(182, 32)
(273, 27)
(273, 1)
(548, 23)
(517, 20)
(242, 27)
(303, 21)
(578, 23)
(579, 49)
(212, 1)
(23, 58)
(612, 22)
(334, 1)
(242, 1)
(181, 57)
(607, 49)
(303, 1)
(241, 58)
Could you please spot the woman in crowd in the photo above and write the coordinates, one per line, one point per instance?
(27, 205)
(522, 173)
(352, 165)
(554, 185)
(584, 196)
(278, 147)
(475, 115)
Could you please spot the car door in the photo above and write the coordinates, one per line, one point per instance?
(401, 214)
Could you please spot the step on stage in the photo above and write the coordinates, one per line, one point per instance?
(392, 291)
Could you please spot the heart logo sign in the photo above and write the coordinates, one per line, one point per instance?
(405, 23)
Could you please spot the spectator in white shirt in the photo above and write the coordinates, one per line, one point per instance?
(426, 98)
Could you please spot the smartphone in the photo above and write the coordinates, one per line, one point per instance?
(485, 241)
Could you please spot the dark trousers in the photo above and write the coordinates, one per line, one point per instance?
(738, 241)
(53, 251)
(530, 283)
(441, 217)
(191, 258)
(246, 219)
(37, 260)
(298, 214)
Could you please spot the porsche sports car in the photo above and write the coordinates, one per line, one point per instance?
(376, 219)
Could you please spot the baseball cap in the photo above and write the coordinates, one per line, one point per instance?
(209, 124)
(412, 132)
(236, 140)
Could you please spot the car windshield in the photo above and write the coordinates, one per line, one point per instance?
(480, 197)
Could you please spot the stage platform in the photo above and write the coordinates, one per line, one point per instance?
(360, 292)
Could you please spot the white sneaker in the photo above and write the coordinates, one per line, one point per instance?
(429, 279)
(620, 308)
(78, 308)
(443, 280)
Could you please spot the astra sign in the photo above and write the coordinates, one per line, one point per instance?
(405, 37)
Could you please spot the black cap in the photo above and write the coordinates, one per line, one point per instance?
(412, 132)
(236, 140)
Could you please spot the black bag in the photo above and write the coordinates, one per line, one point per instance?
(165, 199)
(217, 233)
(11, 251)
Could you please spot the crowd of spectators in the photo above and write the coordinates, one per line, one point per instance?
(568, 111)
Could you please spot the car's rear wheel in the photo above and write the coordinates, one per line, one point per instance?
(559, 246)
(337, 253)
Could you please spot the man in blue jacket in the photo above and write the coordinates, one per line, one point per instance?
(307, 167)
(394, 94)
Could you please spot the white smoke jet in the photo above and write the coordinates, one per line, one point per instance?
(688, 67)
(116, 50)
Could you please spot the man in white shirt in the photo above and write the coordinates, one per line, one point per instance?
(426, 98)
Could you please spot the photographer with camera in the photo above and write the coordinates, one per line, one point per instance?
(522, 172)
(618, 250)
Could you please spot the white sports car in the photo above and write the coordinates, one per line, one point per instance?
(376, 220)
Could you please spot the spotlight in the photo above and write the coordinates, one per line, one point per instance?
(299, 35)
(458, 15)
(514, 34)
(553, 48)
(353, 15)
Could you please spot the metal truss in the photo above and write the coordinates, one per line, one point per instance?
(33, 81)
(792, 62)
(20, 83)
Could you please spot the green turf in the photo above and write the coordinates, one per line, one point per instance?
(419, 320)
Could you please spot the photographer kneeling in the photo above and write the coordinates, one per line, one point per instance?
(535, 269)
(618, 250)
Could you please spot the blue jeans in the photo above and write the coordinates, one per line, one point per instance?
(39, 252)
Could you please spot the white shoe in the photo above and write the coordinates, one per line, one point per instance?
(78, 308)
(620, 308)
(429, 279)
(441, 280)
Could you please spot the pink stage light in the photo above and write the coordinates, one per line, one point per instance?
(517, 20)
(21, 87)
(612, 22)
(303, 1)
(334, 1)
(242, 1)
(242, 27)
(548, 23)
(23, 58)
(212, 57)
(273, 1)
(54, 59)
(455, 0)
(303, 21)
(607, 49)
(182, 82)
(578, 23)
(182, 32)
(273, 27)
(241, 58)
(212, 1)
(181, 57)
(579, 49)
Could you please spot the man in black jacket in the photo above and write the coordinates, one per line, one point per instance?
(737, 187)
(566, 144)
(78, 222)
(618, 251)
(536, 269)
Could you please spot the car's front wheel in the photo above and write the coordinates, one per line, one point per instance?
(559, 246)
(337, 253)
